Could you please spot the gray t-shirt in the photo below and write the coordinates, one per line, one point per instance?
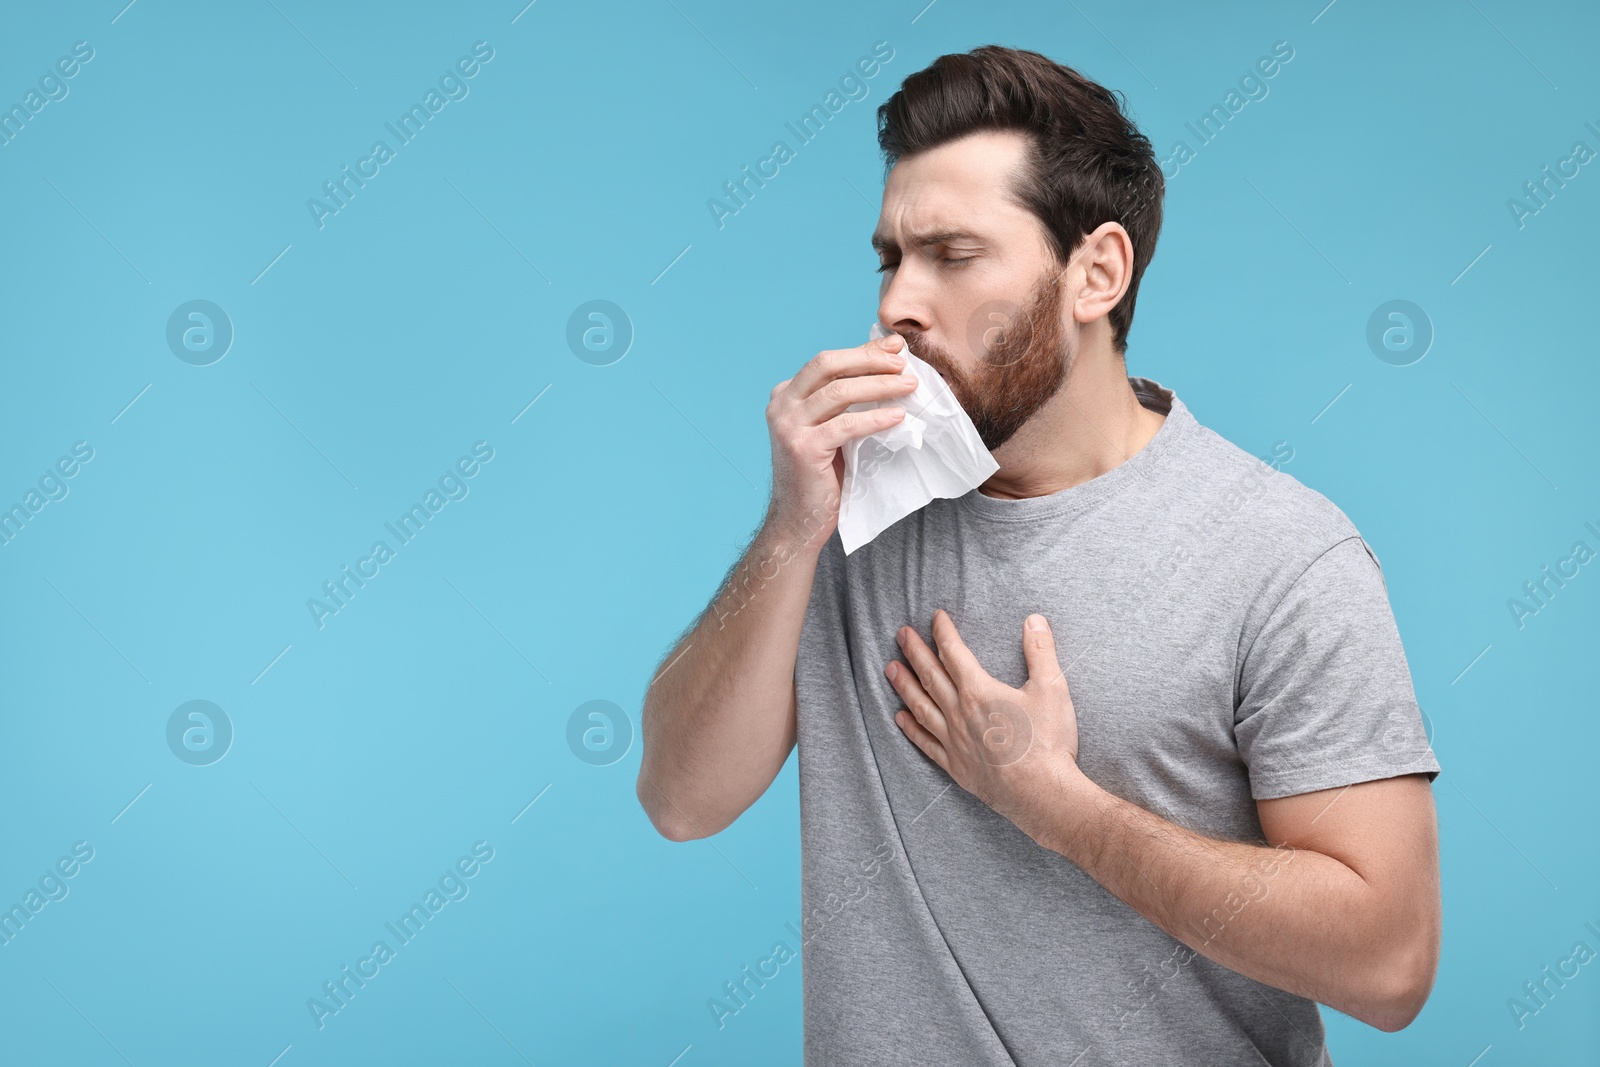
(1227, 637)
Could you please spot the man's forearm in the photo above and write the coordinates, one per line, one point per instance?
(1294, 919)
(717, 722)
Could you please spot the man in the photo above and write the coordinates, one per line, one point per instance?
(1194, 786)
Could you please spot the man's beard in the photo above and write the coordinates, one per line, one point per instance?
(1023, 359)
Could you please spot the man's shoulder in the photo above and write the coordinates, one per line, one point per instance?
(1255, 511)
(1262, 529)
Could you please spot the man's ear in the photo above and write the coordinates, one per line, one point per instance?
(1107, 255)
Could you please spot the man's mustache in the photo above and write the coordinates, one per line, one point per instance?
(933, 356)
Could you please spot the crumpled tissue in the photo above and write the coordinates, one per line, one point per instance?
(934, 451)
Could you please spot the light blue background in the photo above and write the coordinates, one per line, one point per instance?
(428, 313)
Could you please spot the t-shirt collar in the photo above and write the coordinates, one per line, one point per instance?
(1152, 395)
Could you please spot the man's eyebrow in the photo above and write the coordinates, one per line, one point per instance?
(882, 244)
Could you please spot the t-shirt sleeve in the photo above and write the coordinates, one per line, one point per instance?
(1325, 693)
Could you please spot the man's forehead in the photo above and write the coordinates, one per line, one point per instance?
(931, 233)
(953, 192)
(925, 211)
(936, 217)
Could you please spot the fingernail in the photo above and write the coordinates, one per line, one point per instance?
(897, 359)
(1037, 622)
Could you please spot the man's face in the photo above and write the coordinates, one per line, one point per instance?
(972, 282)
(1021, 364)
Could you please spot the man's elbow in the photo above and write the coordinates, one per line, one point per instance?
(1399, 1013)
(670, 830)
(1404, 988)
(655, 810)
(663, 814)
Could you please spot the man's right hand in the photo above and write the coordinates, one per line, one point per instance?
(717, 727)
(808, 424)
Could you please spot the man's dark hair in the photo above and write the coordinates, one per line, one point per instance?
(1087, 163)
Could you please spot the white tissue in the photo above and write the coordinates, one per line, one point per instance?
(934, 451)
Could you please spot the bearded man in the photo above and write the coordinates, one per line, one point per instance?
(1116, 758)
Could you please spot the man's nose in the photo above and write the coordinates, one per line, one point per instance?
(903, 306)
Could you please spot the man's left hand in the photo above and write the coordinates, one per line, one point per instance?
(1011, 748)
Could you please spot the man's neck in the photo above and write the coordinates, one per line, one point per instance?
(1094, 423)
